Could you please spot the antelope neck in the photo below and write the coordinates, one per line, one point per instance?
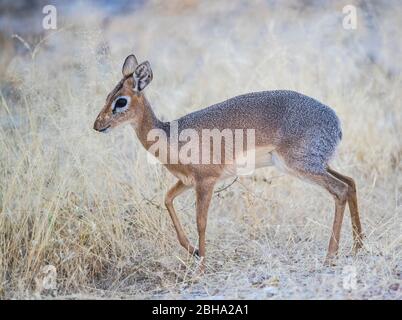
(147, 122)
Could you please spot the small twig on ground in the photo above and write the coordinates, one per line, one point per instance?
(229, 185)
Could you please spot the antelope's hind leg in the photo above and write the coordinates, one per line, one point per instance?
(339, 191)
(306, 157)
(353, 208)
(314, 172)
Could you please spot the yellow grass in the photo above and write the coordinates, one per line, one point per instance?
(91, 206)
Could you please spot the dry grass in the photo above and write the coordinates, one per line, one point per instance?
(91, 206)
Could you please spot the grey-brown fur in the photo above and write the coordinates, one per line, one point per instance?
(303, 130)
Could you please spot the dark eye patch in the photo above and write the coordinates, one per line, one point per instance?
(120, 103)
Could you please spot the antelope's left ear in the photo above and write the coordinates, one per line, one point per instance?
(129, 65)
(142, 75)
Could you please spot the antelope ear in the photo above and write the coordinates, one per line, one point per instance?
(143, 75)
(129, 65)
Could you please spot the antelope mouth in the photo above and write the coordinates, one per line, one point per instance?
(105, 129)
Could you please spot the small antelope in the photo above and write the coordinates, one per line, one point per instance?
(294, 132)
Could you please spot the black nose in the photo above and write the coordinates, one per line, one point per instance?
(98, 126)
(104, 129)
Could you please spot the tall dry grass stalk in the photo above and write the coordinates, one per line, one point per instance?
(86, 209)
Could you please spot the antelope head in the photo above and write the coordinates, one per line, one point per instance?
(125, 102)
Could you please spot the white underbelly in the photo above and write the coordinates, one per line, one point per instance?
(244, 166)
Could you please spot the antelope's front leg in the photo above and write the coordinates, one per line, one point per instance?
(204, 190)
(175, 191)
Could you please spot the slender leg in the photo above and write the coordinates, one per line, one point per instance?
(176, 190)
(353, 208)
(204, 190)
(336, 230)
(338, 190)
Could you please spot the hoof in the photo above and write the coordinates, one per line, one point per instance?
(355, 250)
(357, 246)
(196, 253)
(330, 262)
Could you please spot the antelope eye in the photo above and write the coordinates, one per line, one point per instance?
(121, 103)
